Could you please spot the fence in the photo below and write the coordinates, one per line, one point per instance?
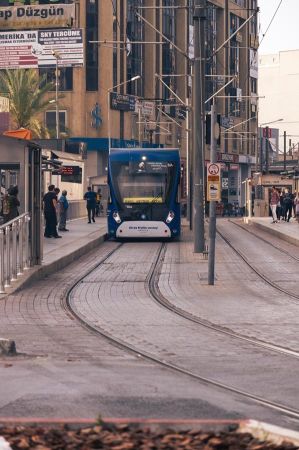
(14, 250)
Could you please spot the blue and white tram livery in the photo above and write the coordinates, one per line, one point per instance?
(144, 193)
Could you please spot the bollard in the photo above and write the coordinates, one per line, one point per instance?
(7, 250)
(2, 290)
(14, 251)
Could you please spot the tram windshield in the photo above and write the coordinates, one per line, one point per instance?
(142, 182)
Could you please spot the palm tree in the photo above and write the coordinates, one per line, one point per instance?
(27, 95)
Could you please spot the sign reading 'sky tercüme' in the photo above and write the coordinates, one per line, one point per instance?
(35, 48)
(37, 16)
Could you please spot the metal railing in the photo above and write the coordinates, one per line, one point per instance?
(14, 250)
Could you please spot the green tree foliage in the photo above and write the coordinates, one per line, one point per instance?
(26, 91)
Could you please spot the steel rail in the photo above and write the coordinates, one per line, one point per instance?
(257, 271)
(162, 300)
(282, 250)
(119, 343)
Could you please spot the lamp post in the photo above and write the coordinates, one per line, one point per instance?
(56, 55)
(108, 104)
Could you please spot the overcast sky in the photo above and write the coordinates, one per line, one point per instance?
(283, 34)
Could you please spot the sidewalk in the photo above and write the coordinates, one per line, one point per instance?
(58, 253)
(288, 231)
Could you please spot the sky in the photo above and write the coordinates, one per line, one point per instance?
(283, 34)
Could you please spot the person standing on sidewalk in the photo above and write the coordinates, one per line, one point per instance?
(288, 205)
(91, 203)
(50, 203)
(273, 203)
(63, 207)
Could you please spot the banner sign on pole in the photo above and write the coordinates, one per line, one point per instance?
(213, 182)
(34, 49)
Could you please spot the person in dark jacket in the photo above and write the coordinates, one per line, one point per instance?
(288, 205)
(50, 203)
(10, 204)
(91, 203)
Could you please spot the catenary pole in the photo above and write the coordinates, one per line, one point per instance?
(198, 126)
(284, 150)
(212, 209)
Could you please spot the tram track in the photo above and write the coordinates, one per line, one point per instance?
(282, 250)
(151, 282)
(260, 274)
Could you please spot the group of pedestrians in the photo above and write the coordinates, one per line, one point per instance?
(55, 211)
(284, 205)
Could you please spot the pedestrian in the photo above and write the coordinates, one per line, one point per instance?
(273, 203)
(296, 203)
(279, 207)
(288, 205)
(98, 205)
(10, 204)
(90, 197)
(63, 207)
(50, 203)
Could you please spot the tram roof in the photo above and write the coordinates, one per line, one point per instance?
(123, 154)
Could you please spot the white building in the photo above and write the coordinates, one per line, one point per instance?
(279, 82)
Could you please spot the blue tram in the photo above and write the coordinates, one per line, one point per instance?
(144, 193)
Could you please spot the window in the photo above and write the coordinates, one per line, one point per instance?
(168, 58)
(51, 122)
(65, 75)
(91, 50)
(135, 32)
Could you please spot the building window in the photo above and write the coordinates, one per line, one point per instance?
(135, 32)
(91, 50)
(65, 75)
(51, 122)
(168, 58)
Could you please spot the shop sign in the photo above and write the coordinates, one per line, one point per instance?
(4, 104)
(146, 109)
(227, 122)
(37, 16)
(213, 182)
(34, 49)
(122, 102)
(228, 157)
(234, 166)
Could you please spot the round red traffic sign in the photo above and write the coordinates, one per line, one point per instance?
(213, 169)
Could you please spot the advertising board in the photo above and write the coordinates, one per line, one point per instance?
(34, 48)
(36, 16)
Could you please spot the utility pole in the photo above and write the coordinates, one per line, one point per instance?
(212, 211)
(267, 149)
(284, 150)
(198, 125)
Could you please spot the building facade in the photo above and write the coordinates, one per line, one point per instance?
(151, 43)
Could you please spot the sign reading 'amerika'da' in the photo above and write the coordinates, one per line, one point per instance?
(34, 48)
(37, 16)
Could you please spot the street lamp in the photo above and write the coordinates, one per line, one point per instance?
(136, 77)
(56, 55)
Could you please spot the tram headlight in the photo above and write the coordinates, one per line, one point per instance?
(170, 217)
(116, 217)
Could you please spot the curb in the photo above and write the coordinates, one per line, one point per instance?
(42, 271)
(275, 232)
(267, 432)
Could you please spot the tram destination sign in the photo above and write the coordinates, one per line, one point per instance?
(34, 49)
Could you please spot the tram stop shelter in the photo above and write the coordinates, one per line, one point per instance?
(264, 184)
(21, 165)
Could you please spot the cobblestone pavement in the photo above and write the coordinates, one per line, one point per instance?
(68, 370)
(125, 310)
(239, 300)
